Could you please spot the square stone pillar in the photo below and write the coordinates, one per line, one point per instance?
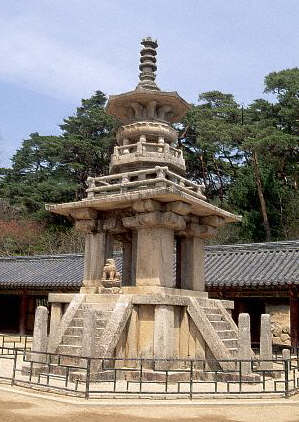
(164, 342)
(154, 263)
(94, 256)
(192, 263)
(134, 257)
(56, 315)
(127, 263)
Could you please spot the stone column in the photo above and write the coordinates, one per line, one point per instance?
(134, 257)
(266, 343)
(164, 344)
(244, 343)
(127, 263)
(192, 263)
(40, 338)
(109, 246)
(94, 255)
(154, 264)
(56, 314)
(155, 244)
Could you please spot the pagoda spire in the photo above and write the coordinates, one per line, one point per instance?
(148, 65)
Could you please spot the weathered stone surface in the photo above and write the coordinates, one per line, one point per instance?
(73, 307)
(154, 261)
(164, 332)
(179, 207)
(56, 314)
(155, 219)
(146, 318)
(89, 330)
(212, 220)
(132, 338)
(84, 214)
(115, 327)
(244, 343)
(86, 226)
(94, 256)
(147, 205)
(40, 335)
(208, 333)
(266, 343)
(192, 264)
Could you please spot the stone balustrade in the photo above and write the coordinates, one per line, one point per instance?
(152, 152)
(156, 177)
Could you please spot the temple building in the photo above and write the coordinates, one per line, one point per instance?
(258, 277)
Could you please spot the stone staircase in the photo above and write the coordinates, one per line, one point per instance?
(72, 339)
(224, 328)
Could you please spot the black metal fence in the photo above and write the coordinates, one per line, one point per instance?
(92, 378)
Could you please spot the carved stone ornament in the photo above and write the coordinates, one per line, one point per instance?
(111, 278)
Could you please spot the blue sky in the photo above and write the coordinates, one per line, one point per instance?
(55, 52)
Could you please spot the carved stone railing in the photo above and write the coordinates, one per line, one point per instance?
(151, 151)
(140, 180)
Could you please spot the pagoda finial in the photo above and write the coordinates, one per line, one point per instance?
(147, 65)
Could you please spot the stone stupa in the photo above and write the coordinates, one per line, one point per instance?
(157, 308)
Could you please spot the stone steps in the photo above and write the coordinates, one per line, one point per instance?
(223, 329)
(220, 325)
(211, 310)
(214, 317)
(78, 331)
(78, 322)
(225, 334)
(68, 349)
(230, 343)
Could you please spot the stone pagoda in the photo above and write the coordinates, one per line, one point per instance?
(157, 307)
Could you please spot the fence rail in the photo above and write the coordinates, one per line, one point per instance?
(102, 377)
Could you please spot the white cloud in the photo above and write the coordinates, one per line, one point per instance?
(48, 66)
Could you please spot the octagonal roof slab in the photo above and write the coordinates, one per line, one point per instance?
(121, 201)
(118, 105)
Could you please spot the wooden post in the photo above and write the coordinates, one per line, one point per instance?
(294, 317)
(23, 314)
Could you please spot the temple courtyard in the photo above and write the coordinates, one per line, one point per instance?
(17, 405)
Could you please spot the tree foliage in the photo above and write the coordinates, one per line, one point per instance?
(247, 158)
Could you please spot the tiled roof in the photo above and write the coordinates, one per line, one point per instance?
(252, 265)
(248, 266)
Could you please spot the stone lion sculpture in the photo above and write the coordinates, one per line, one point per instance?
(111, 278)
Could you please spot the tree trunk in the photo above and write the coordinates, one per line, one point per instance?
(258, 180)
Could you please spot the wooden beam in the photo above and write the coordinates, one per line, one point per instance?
(294, 317)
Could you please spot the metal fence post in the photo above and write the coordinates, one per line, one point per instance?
(191, 379)
(87, 378)
(14, 367)
(286, 378)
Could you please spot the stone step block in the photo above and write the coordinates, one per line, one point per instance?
(78, 331)
(104, 314)
(68, 349)
(78, 322)
(226, 334)
(230, 343)
(98, 309)
(220, 325)
(214, 317)
(74, 331)
(211, 310)
(233, 351)
(72, 340)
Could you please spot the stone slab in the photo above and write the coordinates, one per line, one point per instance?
(120, 201)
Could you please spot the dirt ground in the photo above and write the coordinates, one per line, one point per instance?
(15, 407)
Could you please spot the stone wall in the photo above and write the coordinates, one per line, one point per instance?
(280, 321)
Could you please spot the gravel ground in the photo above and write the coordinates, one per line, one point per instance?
(15, 407)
